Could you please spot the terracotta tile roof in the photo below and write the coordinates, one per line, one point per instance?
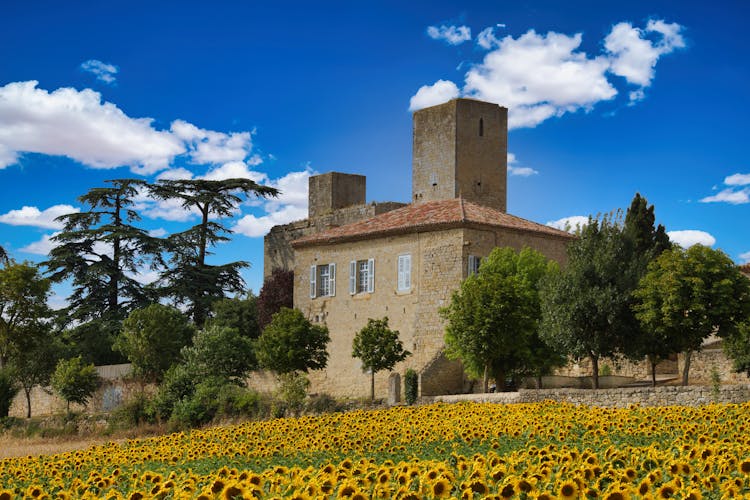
(431, 216)
(745, 268)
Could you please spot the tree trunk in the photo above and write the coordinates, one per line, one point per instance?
(372, 386)
(500, 379)
(595, 370)
(485, 379)
(538, 379)
(686, 368)
(28, 401)
(652, 361)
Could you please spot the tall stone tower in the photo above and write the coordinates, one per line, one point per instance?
(460, 148)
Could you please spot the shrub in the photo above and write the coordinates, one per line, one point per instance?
(134, 412)
(411, 386)
(178, 383)
(75, 381)
(8, 391)
(292, 391)
(324, 403)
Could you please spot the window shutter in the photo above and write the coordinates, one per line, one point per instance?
(312, 282)
(370, 275)
(472, 265)
(353, 277)
(401, 284)
(332, 279)
(407, 272)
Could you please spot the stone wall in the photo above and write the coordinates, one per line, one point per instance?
(115, 389)
(616, 398)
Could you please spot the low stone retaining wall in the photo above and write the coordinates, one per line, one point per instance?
(617, 398)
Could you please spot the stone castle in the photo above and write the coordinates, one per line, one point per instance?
(353, 260)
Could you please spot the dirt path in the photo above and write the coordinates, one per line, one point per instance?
(20, 447)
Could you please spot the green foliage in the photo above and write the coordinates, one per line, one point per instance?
(586, 307)
(190, 280)
(93, 342)
(277, 292)
(4, 258)
(323, 403)
(737, 347)
(492, 319)
(378, 347)
(214, 399)
(687, 295)
(8, 391)
(221, 352)
(291, 343)
(178, 383)
(152, 338)
(35, 360)
(238, 313)
(292, 391)
(99, 250)
(75, 381)
(23, 307)
(411, 386)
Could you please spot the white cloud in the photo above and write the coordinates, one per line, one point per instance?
(78, 125)
(429, 95)
(158, 233)
(32, 216)
(235, 170)
(104, 72)
(729, 196)
(174, 174)
(690, 237)
(514, 169)
(737, 180)
(41, 247)
(538, 76)
(453, 35)
(253, 226)
(570, 224)
(633, 56)
(745, 257)
(207, 146)
(486, 38)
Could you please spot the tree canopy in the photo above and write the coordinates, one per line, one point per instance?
(688, 295)
(152, 338)
(23, 307)
(291, 343)
(190, 280)
(378, 347)
(492, 320)
(277, 292)
(586, 307)
(75, 381)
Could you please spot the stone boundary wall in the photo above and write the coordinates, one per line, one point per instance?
(614, 398)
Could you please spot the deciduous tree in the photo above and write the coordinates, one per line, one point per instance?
(152, 338)
(586, 307)
(291, 343)
(379, 348)
(277, 292)
(492, 320)
(75, 381)
(687, 295)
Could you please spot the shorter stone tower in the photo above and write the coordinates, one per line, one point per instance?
(460, 148)
(334, 190)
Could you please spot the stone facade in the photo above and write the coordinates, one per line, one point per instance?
(460, 148)
(327, 211)
(457, 216)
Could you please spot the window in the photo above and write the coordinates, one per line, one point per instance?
(323, 280)
(361, 276)
(481, 127)
(474, 263)
(404, 272)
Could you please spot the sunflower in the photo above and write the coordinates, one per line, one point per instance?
(666, 491)
(568, 489)
(744, 467)
(441, 488)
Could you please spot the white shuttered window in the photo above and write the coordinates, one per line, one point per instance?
(404, 272)
(361, 276)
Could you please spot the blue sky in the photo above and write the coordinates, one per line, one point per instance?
(606, 99)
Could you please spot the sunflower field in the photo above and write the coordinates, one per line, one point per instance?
(467, 450)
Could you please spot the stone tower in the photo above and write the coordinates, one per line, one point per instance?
(460, 148)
